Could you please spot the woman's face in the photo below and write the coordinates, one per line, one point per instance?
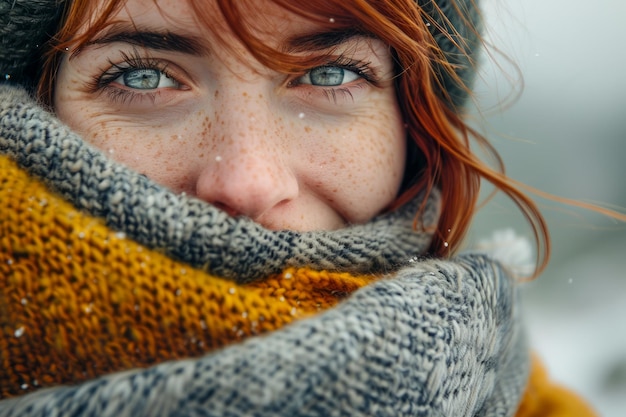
(315, 150)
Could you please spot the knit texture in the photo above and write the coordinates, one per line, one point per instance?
(25, 26)
(85, 294)
(149, 303)
(108, 303)
(103, 302)
(455, 26)
(187, 228)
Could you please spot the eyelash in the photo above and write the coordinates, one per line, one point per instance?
(361, 68)
(134, 61)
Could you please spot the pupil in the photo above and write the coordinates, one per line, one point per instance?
(327, 76)
(144, 79)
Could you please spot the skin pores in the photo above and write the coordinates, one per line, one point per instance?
(311, 151)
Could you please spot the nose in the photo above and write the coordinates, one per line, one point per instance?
(249, 172)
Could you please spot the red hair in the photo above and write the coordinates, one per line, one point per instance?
(438, 136)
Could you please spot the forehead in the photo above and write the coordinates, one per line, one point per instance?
(258, 29)
(200, 19)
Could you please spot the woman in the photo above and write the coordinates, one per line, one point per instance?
(214, 171)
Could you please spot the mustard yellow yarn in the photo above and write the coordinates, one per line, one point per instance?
(78, 300)
(544, 398)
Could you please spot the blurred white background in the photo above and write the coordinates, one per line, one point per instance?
(566, 135)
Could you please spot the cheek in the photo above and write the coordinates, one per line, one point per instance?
(165, 153)
(378, 154)
(361, 170)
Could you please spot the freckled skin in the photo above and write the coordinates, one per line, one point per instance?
(235, 136)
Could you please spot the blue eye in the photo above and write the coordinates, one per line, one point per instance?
(145, 79)
(328, 76)
(141, 79)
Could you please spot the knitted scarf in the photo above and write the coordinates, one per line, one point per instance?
(104, 271)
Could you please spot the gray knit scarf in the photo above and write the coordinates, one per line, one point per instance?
(436, 338)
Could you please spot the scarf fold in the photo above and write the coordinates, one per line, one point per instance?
(206, 315)
(184, 227)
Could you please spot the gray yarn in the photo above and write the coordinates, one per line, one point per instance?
(441, 338)
(436, 338)
(184, 227)
(24, 28)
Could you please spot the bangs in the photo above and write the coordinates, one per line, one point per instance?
(381, 20)
(392, 22)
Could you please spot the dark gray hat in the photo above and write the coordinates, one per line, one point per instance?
(25, 26)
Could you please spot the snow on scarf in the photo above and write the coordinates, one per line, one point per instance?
(120, 298)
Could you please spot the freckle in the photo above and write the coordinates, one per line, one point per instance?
(307, 129)
(217, 93)
(244, 94)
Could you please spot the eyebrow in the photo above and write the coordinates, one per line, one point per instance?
(319, 41)
(174, 42)
(152, 39)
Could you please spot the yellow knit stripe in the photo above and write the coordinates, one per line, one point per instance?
(78, 300)
(544, 398)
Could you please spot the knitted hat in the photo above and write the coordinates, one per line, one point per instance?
(25, 25)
